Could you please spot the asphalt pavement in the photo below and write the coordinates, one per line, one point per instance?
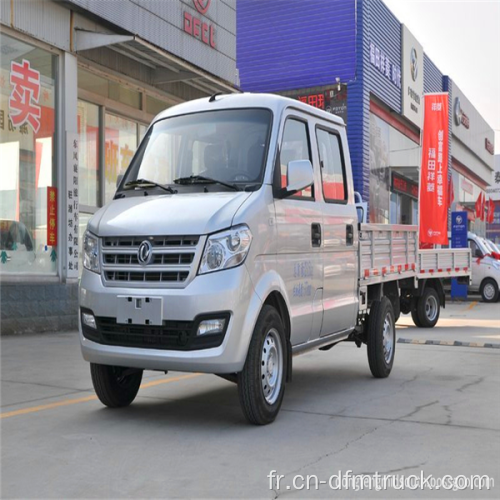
(185, 436)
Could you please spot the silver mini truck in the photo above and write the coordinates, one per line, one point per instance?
(233, 243)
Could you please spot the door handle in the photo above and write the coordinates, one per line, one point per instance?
(316, 234)
(349, 235)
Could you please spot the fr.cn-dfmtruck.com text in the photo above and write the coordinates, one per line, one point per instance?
(378, 482)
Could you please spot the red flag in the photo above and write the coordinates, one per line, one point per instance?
(434, 172)
(491, 211)
(478, 207)
(483, 207)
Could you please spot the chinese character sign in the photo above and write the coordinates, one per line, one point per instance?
(23, 101)
(51, 216)
(72, 206)
(434, 171)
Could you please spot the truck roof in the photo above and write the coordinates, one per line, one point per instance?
(275, 103)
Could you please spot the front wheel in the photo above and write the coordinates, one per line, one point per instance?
(115, 386)
(381, 340)
(489, 290)
(428, 308)
(261, 384)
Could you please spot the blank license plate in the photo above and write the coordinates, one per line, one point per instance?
(140, 310)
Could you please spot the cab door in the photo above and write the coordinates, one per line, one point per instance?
(299, 229)
(340, 235)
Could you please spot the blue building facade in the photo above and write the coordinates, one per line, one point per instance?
(297, 48)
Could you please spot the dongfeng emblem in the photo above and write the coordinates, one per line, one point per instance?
(414, 64)
(145, 253)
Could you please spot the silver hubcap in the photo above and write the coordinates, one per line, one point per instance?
(271, 368)
(431, 308)
(489, 291)
(388, 338)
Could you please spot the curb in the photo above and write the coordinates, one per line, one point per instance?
(454, 343)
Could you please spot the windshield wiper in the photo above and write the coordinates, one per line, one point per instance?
(145, 183)
(195, 179)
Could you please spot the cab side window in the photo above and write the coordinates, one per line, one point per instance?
(474, 249)
(332, 166)
(295, 146)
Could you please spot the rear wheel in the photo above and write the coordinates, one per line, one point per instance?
(489, 290)
(261, 384)
(428, 308)
(381, 340)
(115, 386)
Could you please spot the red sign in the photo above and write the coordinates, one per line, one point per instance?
(403, 185)
(25, 95)
(51, 216)
(489, 146)
(434, 172)
(198, 28)
(316, 100)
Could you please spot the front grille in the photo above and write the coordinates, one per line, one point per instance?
(172, 335)
(173, 259)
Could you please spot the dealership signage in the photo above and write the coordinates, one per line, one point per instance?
(458, 114)
(413, 76)
(332, 100)
(405, 186)
(198, 26)
(384, 65)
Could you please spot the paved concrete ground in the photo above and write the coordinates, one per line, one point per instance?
(185, 436)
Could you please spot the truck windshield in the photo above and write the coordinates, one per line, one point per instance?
(228, 146)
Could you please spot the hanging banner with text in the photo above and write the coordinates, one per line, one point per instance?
(72, 206)
(434, 171)
(51, 216)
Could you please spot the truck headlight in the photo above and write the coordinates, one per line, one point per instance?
(91, 252)
(226, 249)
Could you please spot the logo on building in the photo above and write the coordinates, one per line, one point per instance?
(459, 116)
(23, 100)
(145, 253)
(489, 146)
(414, 64)
(199, 28)
(459, 219)
(202, 6)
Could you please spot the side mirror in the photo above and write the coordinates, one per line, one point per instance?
(119, 178)
(299, 176)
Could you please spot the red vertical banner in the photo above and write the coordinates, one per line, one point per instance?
(434, 171)
(51, 216)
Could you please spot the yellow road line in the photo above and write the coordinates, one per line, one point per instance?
(472, 305)
(67, 402)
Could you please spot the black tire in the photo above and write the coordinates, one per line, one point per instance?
(251, 380)
(414, 317)
(489, 290)
(428, 308)
(112, 388)
(379, 359)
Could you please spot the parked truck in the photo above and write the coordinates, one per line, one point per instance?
(233, 244)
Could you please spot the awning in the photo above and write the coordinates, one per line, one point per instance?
(167, 67)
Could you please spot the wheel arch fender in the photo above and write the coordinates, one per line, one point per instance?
(435, 283)
(271, 291)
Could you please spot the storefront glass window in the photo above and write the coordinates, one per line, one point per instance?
(88, 159)
(119, 146)
(28, 219)
(155, 106)
(380, 185)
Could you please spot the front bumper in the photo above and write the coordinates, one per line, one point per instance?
(230, 290)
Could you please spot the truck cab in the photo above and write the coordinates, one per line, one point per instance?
(233, 243)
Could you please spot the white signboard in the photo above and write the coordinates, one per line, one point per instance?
(72, 245)
(412, 55)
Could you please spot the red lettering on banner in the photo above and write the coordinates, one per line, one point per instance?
(197, 28)
(434, 171)
(51, 216)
